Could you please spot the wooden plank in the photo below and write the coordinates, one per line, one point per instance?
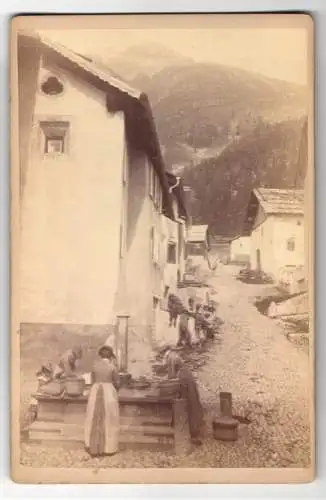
(157, 440)
(43, 425)
(148, 411)
(77, 435)
(40, 436)
(127, 445)
(147, 430)
(139, 420)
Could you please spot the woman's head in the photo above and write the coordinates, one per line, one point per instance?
(106, 352)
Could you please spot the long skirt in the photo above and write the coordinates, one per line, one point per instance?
(102, 420)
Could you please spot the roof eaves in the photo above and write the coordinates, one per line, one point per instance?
(91, 68)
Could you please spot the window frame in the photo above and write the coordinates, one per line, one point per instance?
(54, 129)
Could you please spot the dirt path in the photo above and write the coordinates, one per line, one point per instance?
(267, 375)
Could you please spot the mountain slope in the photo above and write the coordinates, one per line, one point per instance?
(197, 106)
(139, 63)
(271, 156)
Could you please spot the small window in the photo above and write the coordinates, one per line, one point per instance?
(290, 244)
(54, 145)
(155, 191)
(172, 253)
(52, 86)
(55, 137)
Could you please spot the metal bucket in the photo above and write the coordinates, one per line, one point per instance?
(53, 388)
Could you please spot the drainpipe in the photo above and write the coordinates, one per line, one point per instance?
(175, 185)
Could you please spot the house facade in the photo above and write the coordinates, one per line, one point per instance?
(175, 236)
(275, 222)
(240, 249)
(93, 193)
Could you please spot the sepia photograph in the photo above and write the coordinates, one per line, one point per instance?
(162, 217)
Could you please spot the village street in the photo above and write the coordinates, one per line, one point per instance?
(267, 375)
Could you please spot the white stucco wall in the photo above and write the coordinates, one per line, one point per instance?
(240, 248)
(144, 276)
(70, 218)
(262, 242)
(271, 236)
(286, 227)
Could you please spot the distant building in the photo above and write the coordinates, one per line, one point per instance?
(198, 244)
(240, 250)
(220, 248)
(93, 194)
(275, 223)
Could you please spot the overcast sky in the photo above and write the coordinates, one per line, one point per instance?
(277, 53)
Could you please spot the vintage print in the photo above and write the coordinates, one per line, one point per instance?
(162, 174)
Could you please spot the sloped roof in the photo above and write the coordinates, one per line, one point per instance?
(90, 66)
(138, 110)
(235, 238)
(197, 233)
(285, 201)
(273, 201)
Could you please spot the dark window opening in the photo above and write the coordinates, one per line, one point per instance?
(291, 245)
(172, 253)
(52, 86)
(55, 136)
(54, 145)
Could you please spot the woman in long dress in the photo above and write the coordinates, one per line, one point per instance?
(102, 413)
